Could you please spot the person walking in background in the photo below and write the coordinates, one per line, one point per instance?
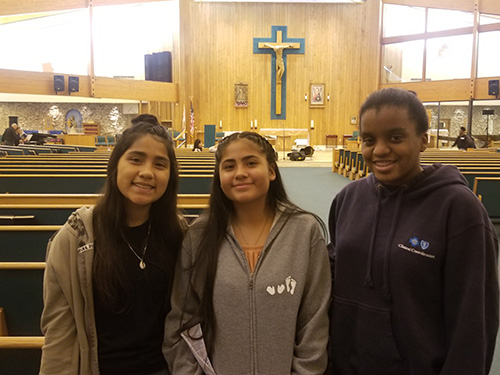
(252, 287)
(109, 269)
(464, 140)
(414, 257)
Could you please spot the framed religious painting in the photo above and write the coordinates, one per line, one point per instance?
(241, 95)
(317, 95)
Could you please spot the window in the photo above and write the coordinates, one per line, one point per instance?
(449, 58)
(403, 20)
(124, 34)
(488, 57)
(57, 41)
(402, 62)
(443, 19)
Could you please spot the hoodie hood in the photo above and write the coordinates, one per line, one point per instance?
(431, 178)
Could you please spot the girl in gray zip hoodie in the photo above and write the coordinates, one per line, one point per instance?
(251, 290)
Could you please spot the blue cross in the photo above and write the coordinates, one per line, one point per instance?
(278, 44)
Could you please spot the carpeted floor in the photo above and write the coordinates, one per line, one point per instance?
(314, 188)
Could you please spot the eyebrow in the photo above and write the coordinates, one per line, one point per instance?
(143, 154)
(390, 131)
(244, 159)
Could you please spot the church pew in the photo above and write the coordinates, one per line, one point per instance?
(24, 247)
(357, 166)
(345, 158)
(86, 183)
(20, 355)
(21, 293)
(488, 191)
(10, 151)
(195, 170)
(471, 175)
(351, 163)
(335, 159)
(51, 209)
(25, 243)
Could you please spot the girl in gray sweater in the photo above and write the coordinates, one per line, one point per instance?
(252, 285)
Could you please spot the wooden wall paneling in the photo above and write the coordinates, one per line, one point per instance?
(223, 55)
(134, 89)
(38, 83)
(481, 88)
(457, 89)
(489, 6)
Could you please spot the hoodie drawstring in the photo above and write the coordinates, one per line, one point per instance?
(386, 288)
(369, 277)
(387, 252)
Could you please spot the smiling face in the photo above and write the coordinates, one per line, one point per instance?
(245, 174)
(391, 145)
(143, 173)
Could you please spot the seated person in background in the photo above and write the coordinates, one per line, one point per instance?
(10, 136)
(464, 140)
(198, 145)
(22, 135)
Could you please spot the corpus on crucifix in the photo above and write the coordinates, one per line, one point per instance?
(280, 65)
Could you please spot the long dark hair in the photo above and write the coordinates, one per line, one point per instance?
(110, 217)
(216, 221)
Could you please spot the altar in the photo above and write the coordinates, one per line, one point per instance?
(284, 138)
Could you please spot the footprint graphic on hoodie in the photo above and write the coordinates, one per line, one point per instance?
(290, 285)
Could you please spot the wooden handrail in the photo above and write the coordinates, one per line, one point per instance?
(22, 265)
(79, 200)
(33, 228)
(21, 342)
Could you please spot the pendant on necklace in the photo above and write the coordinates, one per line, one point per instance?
(142, 264)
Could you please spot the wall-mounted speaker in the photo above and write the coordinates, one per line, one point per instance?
(158, 66)
(58, 83)
(73, 84)
(493, 88)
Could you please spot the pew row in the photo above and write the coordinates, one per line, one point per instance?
(488, 191)
(86, 183)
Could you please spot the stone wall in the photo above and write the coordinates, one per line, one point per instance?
(52, 116)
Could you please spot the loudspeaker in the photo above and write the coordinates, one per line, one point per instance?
(58, 83)
(73, 84)
(150, 63)
(158, 66)
(493, 87)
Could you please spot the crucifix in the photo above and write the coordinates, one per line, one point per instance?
(279, 46)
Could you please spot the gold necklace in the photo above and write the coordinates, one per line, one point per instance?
(260, 234)
(142, 264)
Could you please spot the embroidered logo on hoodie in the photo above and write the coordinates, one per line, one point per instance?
(414, 241)
(416, 244)
(289, 285)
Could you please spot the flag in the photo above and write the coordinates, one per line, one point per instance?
(191, 120)
(184, 118)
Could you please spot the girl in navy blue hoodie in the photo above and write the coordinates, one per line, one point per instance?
(414, 257)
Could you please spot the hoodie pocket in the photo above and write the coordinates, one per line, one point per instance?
(362, 340)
